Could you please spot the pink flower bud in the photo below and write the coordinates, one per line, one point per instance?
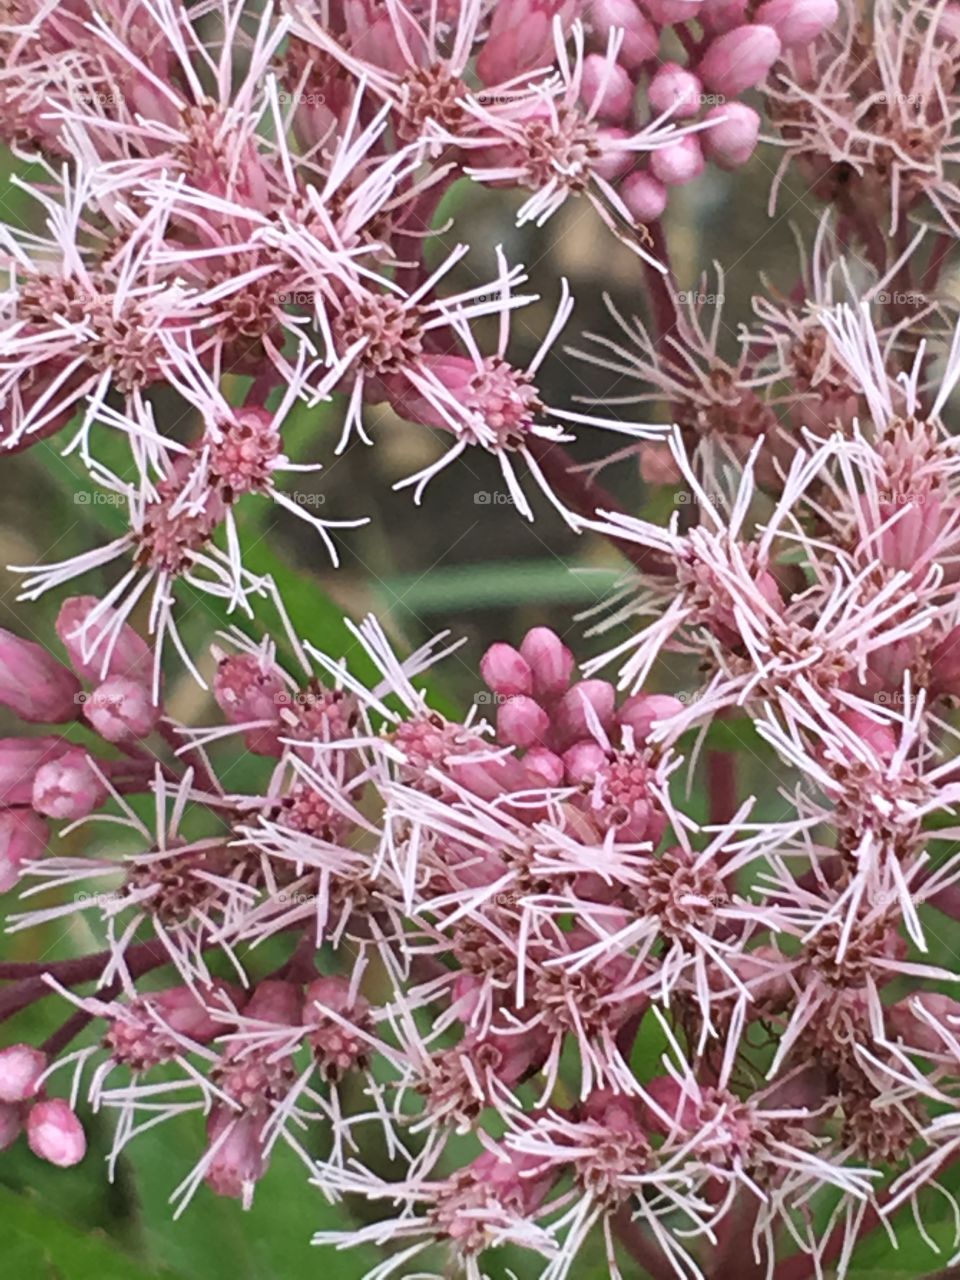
(130, 656)
(10, 1125)
(23, 838)
(582, 760)
(905, 1021)
(740, 59)
(550, 661)
(877, 734)
(613, 161)
(33, 684)
(641, 711)
(55, 1134)
(520, 37)
(20, 759)
(680, 162)
(543, 768)
(571, 718)
(798, 22)
(733, 139)
(641, 39)
(521, 722)
(239, 1162)
(668, 12)
(121, 709)
(677, 90)
(68, 788)
(276, 1001)
(193, 1013)
(608, 85)
(249, 691)
(505, 671)
(21, 1066)
(644, 195)
(719, 16)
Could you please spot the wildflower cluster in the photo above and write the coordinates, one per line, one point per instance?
(541, 976)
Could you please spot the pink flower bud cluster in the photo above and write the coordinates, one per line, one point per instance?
(52, 1128)
(49, 777)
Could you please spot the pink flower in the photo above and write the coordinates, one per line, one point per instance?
(739, 59)
(33, 684)
(55, 1134)
(21, 1067)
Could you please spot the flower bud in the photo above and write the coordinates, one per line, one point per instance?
(23, 838)
(668, 12)
(247, 690)
(641, 39)
(906, 1021)
(55, 1134)
(641, 711)
(644, 195)
(193, 1013)
(798, 22)
(878, 735)
(68, 788)
(733, 139)
(276, 1001)
(678, 163)
(740, 59)
(582, 760)
(20, 759)
(33, 684)
(505, 671)
(130, 655)
(677, 90)
(607, 85)
(21, 1066)
(121, 710)
(239, 1162)
(550, 661)
(521, 722)
(520, 38)
(571, 718)
(719, 16)
(613, 161)
(543, 768)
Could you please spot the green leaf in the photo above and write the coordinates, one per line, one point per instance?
(39, 1245)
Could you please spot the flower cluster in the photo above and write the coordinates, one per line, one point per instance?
(225, 193)
(642, 953)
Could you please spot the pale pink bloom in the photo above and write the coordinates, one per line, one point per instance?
(739, 59)
(733, 137)
(55, 1134)
(33, 684)
(21, 1067)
